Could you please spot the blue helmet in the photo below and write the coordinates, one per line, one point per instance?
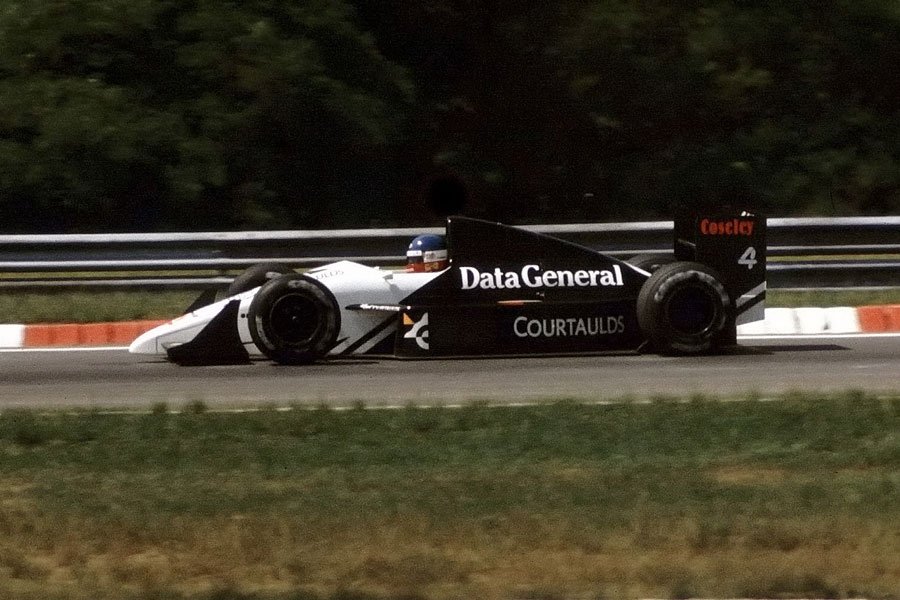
(427, 252)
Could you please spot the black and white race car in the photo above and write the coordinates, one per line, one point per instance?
(507, 291)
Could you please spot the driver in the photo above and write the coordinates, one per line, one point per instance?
(427, 253)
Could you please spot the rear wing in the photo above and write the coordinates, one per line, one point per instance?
(734, 244)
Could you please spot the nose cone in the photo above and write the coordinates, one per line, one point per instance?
(177, 331)
(146, 343)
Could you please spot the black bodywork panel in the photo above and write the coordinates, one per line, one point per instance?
(511, 291)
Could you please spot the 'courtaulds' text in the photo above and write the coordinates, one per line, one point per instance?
(532, 276)
(570, 327)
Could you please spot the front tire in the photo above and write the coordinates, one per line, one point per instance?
(683, 308)
(255, 276)
(294, 320)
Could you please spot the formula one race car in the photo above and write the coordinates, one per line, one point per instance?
(506, 291)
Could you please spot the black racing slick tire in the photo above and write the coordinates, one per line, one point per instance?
(651, 262)
(256, 276)
(683, 308)
(294, 320)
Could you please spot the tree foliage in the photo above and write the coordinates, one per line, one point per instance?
(149, 114)
(216, 114)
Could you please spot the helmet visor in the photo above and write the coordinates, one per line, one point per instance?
(428, 260)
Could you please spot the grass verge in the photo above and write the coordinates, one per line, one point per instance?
(799, 497)
(91, 306)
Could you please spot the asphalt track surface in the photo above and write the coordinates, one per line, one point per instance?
(112, 378)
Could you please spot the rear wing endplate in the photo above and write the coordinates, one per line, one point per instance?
(734, 244)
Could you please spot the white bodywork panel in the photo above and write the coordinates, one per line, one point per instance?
(350, 282)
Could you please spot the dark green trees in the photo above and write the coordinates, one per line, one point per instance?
(209, 114)
(149, 114)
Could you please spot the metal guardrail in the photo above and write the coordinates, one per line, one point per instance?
(815, 252)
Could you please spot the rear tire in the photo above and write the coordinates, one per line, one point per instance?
(683, 308)
(651, 262)
(294, 320)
